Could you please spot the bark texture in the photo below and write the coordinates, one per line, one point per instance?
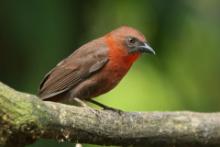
(24, 118)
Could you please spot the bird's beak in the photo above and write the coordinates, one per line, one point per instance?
(147, 49)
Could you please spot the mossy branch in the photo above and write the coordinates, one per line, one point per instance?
(24, 118)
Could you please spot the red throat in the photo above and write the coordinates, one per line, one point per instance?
(119, 53)
(133, 57)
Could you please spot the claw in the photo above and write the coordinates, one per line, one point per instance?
(114, 110)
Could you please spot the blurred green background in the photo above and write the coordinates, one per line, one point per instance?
(184, 75)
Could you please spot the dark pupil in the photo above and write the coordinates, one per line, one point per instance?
(132, 40)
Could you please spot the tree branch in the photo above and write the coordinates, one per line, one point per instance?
(24, 118)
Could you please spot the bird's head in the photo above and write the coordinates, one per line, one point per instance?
(128, 42)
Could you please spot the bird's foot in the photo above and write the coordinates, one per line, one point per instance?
(83, 104)
(113, 109)
(105, 107)
(80, 102)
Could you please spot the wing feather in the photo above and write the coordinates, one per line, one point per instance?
(74, 69)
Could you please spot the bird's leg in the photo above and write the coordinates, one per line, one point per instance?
(83, 104)
(80, 102)
(104, 106)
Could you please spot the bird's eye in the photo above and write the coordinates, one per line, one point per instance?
(131, 40)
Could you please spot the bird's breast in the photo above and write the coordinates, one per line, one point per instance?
(113, 73)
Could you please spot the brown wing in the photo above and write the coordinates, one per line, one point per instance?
(84, 62)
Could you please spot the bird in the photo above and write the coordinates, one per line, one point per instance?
(94, 68)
